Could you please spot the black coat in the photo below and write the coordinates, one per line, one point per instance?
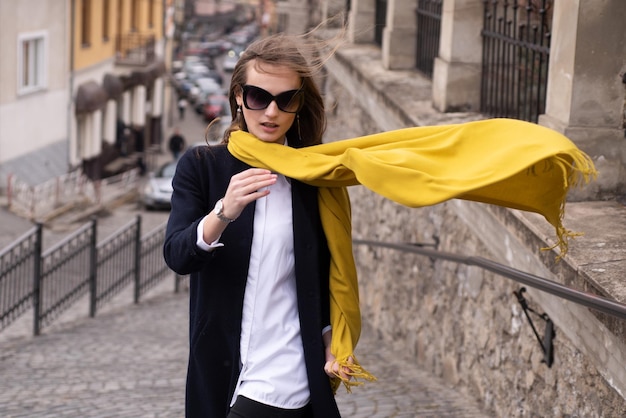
(218, 281)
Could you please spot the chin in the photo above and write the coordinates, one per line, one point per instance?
(272, 138)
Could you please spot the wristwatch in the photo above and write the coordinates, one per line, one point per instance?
(219, 212)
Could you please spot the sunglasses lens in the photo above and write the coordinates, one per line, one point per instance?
(289, 101)
(255, 98)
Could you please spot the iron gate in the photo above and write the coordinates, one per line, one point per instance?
(428, 14)
(516, 51)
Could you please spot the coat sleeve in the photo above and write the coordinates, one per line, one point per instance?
(191, 201)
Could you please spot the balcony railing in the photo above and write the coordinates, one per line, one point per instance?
(134, 49)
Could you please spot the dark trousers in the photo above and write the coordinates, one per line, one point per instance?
(247, 408)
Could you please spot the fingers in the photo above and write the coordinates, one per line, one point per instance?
(251, 181)
(246, 187)
(333, 369)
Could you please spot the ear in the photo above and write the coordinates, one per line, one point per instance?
(239, 96)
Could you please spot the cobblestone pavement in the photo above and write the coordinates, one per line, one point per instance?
(130, 360)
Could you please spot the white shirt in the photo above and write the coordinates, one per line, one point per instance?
(273, 370)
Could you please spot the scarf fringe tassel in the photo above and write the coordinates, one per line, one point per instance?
(356, 372)
(581, 172)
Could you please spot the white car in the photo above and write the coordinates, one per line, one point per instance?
(157, 193)
(231, 59)
(206, 84)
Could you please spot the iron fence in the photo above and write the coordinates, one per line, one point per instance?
(152, 266)
(428, 13)
(43, 200)
(50, 282)
(516, 51)
(63, 275)
(17, 266)
(117, 263)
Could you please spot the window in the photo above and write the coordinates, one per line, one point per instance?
(32, 56)
(134, 16)
(85, 27)
(120, 12)
(151, 13)
(82, 135)
(106, 10)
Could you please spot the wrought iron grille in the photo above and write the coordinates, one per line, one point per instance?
(135, 49)
(117, 264)
(380, 21)
(52, 281)
(153, 268)
(516, 51)
(428, 15)
(65, 275)
(17, 265)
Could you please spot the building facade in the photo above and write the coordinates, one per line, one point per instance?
(117, 77)
(82, 86)
(34, 89)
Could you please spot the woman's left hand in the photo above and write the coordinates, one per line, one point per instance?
(333, 369)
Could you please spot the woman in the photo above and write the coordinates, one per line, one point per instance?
(253, 244)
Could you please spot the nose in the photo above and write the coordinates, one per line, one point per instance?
(272, 109)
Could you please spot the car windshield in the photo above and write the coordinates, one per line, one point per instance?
(216, 100)
(168, 170)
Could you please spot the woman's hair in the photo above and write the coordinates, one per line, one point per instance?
(291, 52)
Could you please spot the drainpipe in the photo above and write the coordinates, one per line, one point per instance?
(165, 57)
(71, 84)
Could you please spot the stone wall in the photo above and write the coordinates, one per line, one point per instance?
(457, 321)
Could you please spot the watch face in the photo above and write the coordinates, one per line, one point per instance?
(219, 206)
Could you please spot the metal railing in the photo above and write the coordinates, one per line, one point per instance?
(428, 13)
(116, 263)
(43, 200)
(589, 300)
(17, 266)
(135, 49)
(52, 281)
(516, 51)
(62, 275)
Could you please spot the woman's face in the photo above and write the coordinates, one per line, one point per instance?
(269, 124)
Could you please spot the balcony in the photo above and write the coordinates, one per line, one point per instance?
(134, 49)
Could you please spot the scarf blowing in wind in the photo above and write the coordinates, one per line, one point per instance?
(503, 162)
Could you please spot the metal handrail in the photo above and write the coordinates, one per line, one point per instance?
(589, 300)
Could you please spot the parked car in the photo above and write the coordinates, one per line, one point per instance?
(157, 193)
(183, 87)
(205, 90)
(200, 88)
(215, 106)
(215, 48)
(215, 76)
(231, 58)
(208, 84)
(216, 128)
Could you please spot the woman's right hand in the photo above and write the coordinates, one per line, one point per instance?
(243, 188)
(246, 187)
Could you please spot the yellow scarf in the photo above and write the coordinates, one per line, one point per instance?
(504, 162)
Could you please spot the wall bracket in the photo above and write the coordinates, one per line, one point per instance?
(549, 332)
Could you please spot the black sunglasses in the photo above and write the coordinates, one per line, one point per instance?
(255, 98)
